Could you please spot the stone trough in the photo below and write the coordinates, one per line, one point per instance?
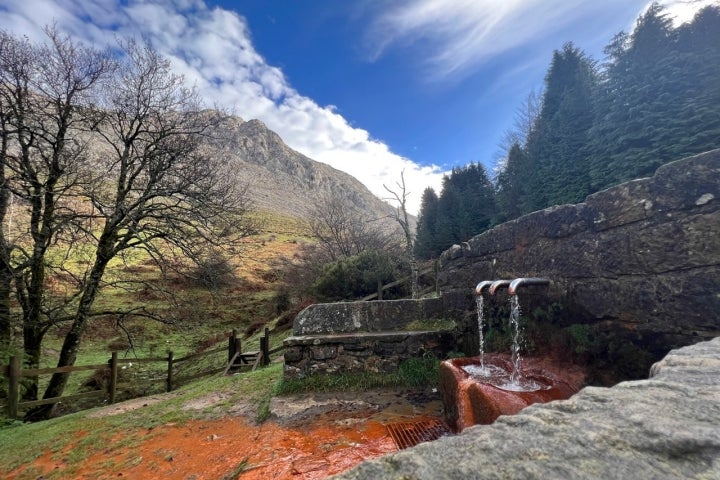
(469, 401)
(372, 336)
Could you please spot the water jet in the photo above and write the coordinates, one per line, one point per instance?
(477, 390)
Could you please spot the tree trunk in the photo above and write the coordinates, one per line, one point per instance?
(32, 346)
(71, 343)
(33, 330)
(5, 312)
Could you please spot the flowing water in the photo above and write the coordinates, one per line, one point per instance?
(497, 375)
(480, 302)
(502, 378)
(515, 325)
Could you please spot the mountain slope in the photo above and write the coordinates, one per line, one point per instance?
(283, 180)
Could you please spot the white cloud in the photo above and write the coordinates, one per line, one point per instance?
(212, 48)
(464, 33)
(683, 11)
(457, 36)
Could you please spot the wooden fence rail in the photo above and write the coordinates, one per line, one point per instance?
(14, 372)
(381, 288)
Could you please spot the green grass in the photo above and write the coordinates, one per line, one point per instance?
(21, 443)
(413, 372)
(430, 324)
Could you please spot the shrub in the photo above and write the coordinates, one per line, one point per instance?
(356, 276)
(214, 271)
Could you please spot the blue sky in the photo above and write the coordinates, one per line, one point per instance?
(370, 87)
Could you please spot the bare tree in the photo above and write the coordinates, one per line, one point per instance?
(105, 156)
(152, 187)
(44, 89)
(403, 219)
(14, 79)
(343, 231)
(524, 122)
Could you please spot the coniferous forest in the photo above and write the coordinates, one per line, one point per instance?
(654, 98)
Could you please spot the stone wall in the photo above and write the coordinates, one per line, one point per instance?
(372, 336)
(642, 258)
(378, 352)
(351, 317)
(665, 427)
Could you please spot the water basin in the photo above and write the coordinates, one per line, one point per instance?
(478, 394)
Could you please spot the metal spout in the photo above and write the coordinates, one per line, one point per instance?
(482, 286)
(498, 284)
(520, 282)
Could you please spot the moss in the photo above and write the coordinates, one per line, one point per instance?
(413, 372)
(430, 324)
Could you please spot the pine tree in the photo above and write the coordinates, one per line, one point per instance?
(425, 238)
(511, 185)
(465, 208)
(558, 146)
(650, 94)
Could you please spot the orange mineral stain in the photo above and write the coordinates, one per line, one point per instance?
(232, 447)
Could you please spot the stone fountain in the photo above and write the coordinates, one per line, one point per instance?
(477, 390)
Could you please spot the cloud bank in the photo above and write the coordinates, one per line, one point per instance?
(212, 48)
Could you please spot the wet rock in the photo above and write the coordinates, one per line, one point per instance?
(667, 426)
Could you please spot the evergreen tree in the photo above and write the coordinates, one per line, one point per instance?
(511, 185)
(661, 96)
(558, 145)
(465, 208)
(655, 100)
(426, 237)
(449, 203)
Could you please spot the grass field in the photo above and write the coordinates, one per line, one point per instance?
(202, 318)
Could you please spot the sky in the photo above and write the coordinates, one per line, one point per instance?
(375, 88)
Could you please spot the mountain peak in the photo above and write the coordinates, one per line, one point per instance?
(284, 180)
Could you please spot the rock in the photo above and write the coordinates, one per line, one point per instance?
(667, 426)
(282, 180)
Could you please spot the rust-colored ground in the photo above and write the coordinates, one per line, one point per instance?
(301, 445)
(215, 449)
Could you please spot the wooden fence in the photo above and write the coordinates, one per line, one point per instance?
(381, 288)
(236, 359)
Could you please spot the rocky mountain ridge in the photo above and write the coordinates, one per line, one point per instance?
(283, 180)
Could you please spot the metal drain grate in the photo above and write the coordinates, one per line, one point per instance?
(406, 435)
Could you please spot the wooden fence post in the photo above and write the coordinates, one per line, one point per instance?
(265, 347)
(113, 377)
(238, 346)
(14, 387)
(231, 345)
(170, 371)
